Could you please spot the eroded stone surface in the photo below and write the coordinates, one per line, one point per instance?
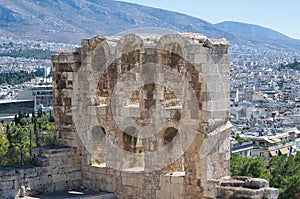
(141, 116)
(181, 79)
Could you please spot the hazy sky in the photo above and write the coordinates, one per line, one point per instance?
(280, 15)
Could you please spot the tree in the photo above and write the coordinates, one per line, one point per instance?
(251, 167)
(24, 121)
(35, 131)
(3, 148)
(40, 112)
(283, 172)
(30, 53)
(292, 188)
(51, 117)
(16, 119)
(285, 175)
(18, 137)
(16, 78)
(17, 140)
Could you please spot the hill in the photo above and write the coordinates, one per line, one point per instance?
(255, 33)
(72, 20)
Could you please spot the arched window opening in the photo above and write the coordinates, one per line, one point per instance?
(131, 55)
(98, 145)
(168, 138)
(172, 56)
(106, 81)
(130, 139)
(169, 134)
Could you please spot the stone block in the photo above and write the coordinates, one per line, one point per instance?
(69, 168)
(200, 58)
(232, 183)
(165, 179)
(75, 175)
(256, 183)
(177, 179)
(127, 181)
(62, 185)
(59, 178)
(138, 183)
(224, 145)
(271, 193)
(31, 172)
(6, 185)
(129, 111)
(165, 187)
(55, 161)
(47, 188)
(164, 195)
(177, 191)
(159, 78)
(98, 169)
(12, 193)
(41, 161)
(15, 176)
(39, 181)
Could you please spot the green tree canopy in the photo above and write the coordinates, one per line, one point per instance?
(283, 172)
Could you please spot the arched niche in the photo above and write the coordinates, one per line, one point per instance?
(128, 52)
(100, 56)
(105, 84)
(169, 134)
(98, 148)
(130, 139)
(104, 72)
(172, 51)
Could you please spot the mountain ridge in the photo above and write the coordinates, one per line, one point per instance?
(253, 32)
(72, 20)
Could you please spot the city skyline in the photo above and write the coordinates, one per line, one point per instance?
(277, 15)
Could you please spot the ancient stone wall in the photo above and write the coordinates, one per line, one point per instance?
(151, 114)
(64, 66)
(56, 169)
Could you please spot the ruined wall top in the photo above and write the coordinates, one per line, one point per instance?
(219, 46)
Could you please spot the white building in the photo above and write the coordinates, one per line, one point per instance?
(42, 96)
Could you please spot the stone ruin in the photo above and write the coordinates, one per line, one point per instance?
(151, 116)
(144, 116)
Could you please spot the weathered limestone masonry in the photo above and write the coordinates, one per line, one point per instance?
(113, 88)
(56, 169)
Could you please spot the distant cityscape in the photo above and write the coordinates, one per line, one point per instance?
(265, 102)
(265, 97)
(33, 94)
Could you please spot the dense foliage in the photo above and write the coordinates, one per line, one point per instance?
(282, 172)
(30, 53)
(285, 174)
(16, 78)
(252, 167)
(240, 140)
(20, 77)
(17, 138)
(295, 65)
